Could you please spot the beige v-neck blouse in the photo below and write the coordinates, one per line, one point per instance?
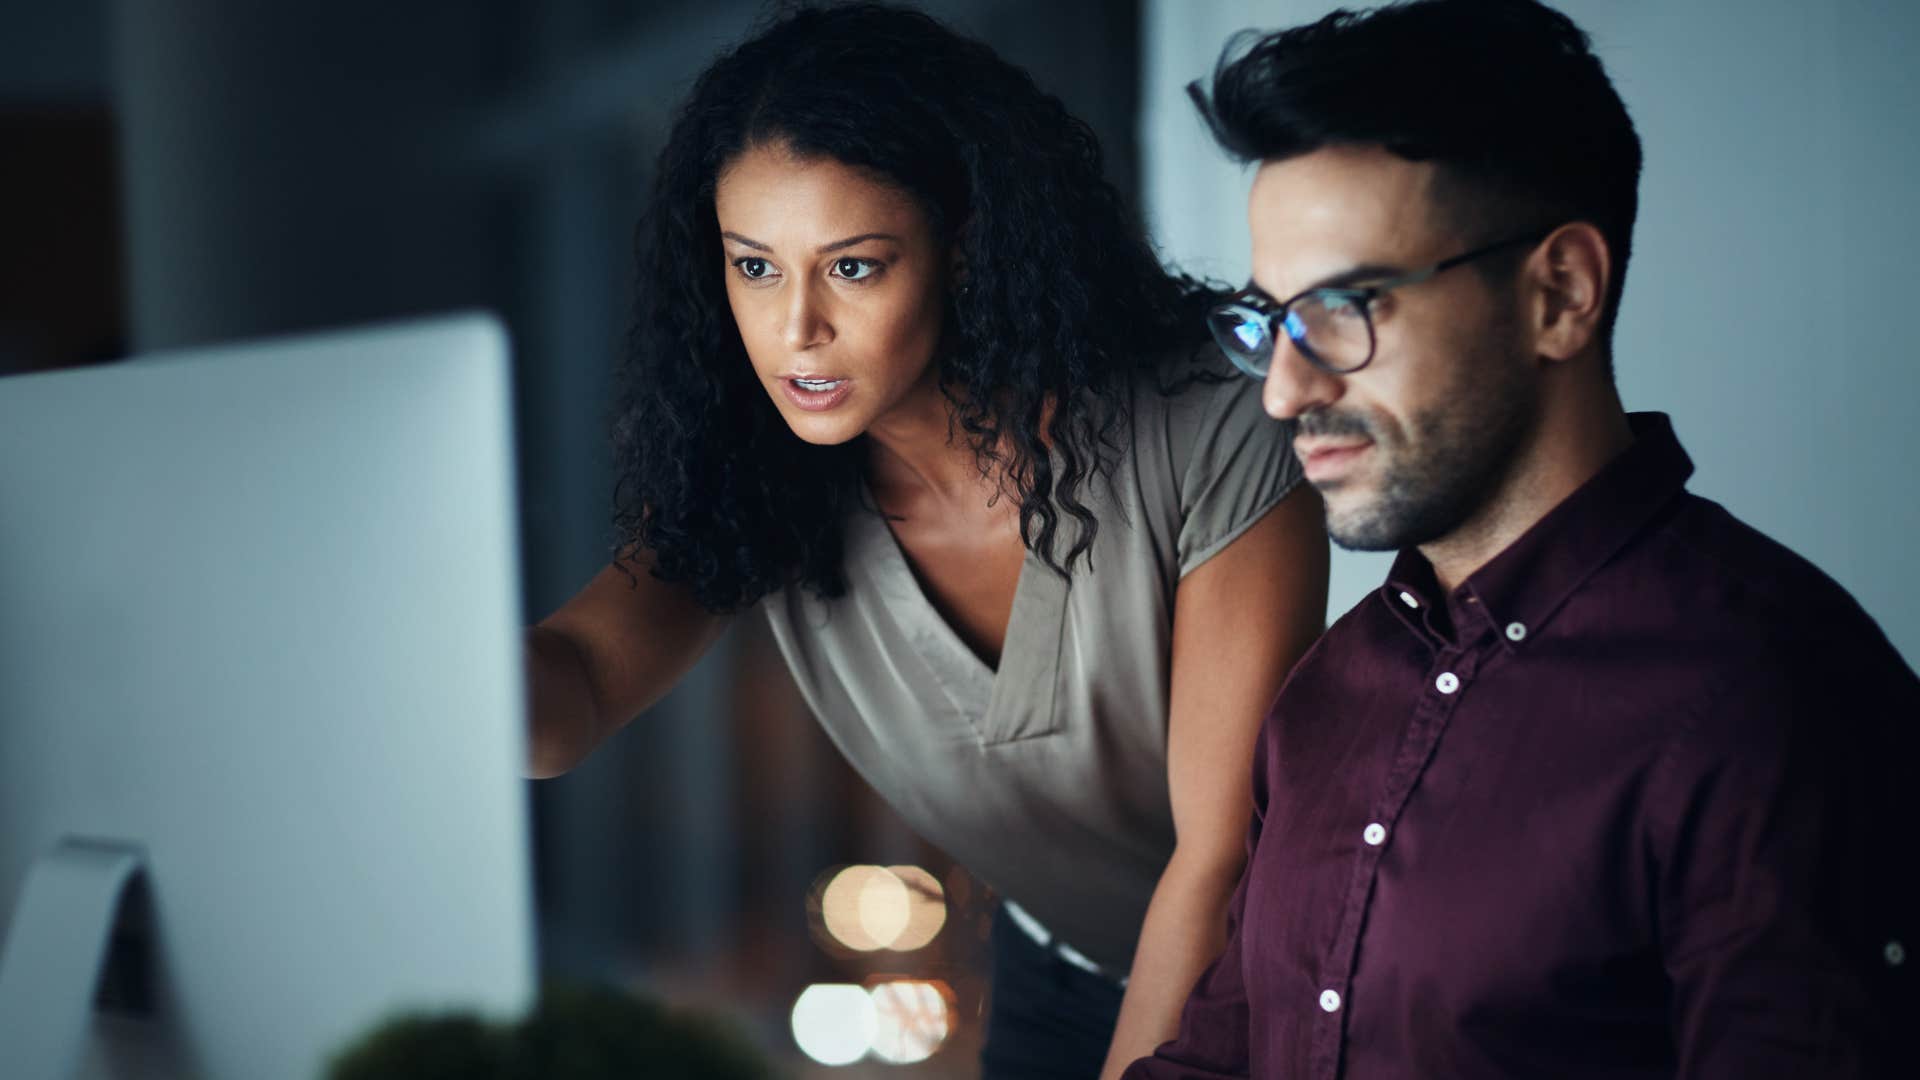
(1048, 778)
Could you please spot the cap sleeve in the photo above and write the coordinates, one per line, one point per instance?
(1239, 463)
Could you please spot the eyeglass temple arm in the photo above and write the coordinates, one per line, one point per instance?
(1415, 277)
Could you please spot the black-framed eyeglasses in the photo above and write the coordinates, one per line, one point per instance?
(1331, 325)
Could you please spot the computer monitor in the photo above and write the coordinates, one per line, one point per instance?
(259, 641)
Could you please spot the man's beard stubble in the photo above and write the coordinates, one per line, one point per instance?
(1455, 457)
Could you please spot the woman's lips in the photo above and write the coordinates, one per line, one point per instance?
(816, 394)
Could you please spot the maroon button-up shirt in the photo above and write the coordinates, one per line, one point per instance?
(1638, 799)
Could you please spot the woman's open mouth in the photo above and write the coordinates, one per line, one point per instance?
(816, 394)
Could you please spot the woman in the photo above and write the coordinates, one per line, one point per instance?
(908, 382)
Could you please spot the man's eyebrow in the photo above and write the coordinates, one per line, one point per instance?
(822, 249)
(1355, 276)
(1344, 279)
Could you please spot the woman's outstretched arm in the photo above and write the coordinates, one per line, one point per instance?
(614, 649)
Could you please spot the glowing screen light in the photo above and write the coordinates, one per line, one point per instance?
(913, 1019)
(834, 1023)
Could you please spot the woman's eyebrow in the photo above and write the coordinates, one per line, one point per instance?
(744, 242)
(822, 249)
(852, 240)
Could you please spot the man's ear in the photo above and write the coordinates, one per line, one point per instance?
(1568, 276)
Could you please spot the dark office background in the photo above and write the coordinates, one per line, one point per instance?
(178, 172)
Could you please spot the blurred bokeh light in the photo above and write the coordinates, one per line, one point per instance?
(913, 1019)
(834, 1023)
(868, 908)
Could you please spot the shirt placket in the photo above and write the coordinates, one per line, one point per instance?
(1444, 685)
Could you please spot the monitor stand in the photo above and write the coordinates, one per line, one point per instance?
(50, 965)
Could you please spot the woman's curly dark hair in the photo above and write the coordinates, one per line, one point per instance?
(1065, 299)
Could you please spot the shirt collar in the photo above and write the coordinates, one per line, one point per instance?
(1518, 590)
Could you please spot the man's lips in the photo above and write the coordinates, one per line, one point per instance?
(1325, 458)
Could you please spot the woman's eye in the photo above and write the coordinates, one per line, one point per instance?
(855, 269)
(753, 269)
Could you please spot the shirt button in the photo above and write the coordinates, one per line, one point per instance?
(1330, 1000)
(1896, 954)
(1376, 834)
(1407, 599)
(1516, 631)
(1447, 683)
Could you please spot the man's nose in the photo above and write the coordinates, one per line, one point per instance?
(1294, 385)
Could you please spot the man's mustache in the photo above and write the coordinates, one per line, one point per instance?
(1322, 423)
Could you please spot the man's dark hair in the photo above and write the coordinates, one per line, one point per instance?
(1505, 95)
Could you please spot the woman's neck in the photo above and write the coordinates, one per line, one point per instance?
(917, 450)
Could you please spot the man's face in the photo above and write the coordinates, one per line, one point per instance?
(1410, 448)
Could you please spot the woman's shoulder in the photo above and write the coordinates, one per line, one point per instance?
(1207, 453)
(1181, 398)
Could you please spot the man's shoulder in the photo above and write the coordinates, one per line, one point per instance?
(1765, 624)
(1727, 576)
(1365, 643)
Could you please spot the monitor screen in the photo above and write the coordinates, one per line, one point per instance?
(259, 626)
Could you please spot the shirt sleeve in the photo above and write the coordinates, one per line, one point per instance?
(1239, 464)
(1780, 898)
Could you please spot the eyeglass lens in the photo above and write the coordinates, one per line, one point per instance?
(1330, 327)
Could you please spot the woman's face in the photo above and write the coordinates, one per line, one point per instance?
(837, 285)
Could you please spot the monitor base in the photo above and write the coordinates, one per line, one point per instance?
(51, 962)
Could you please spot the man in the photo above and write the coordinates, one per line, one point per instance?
(1602, 782)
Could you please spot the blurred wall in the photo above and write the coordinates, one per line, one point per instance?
(62, 299)
(1766, 303)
